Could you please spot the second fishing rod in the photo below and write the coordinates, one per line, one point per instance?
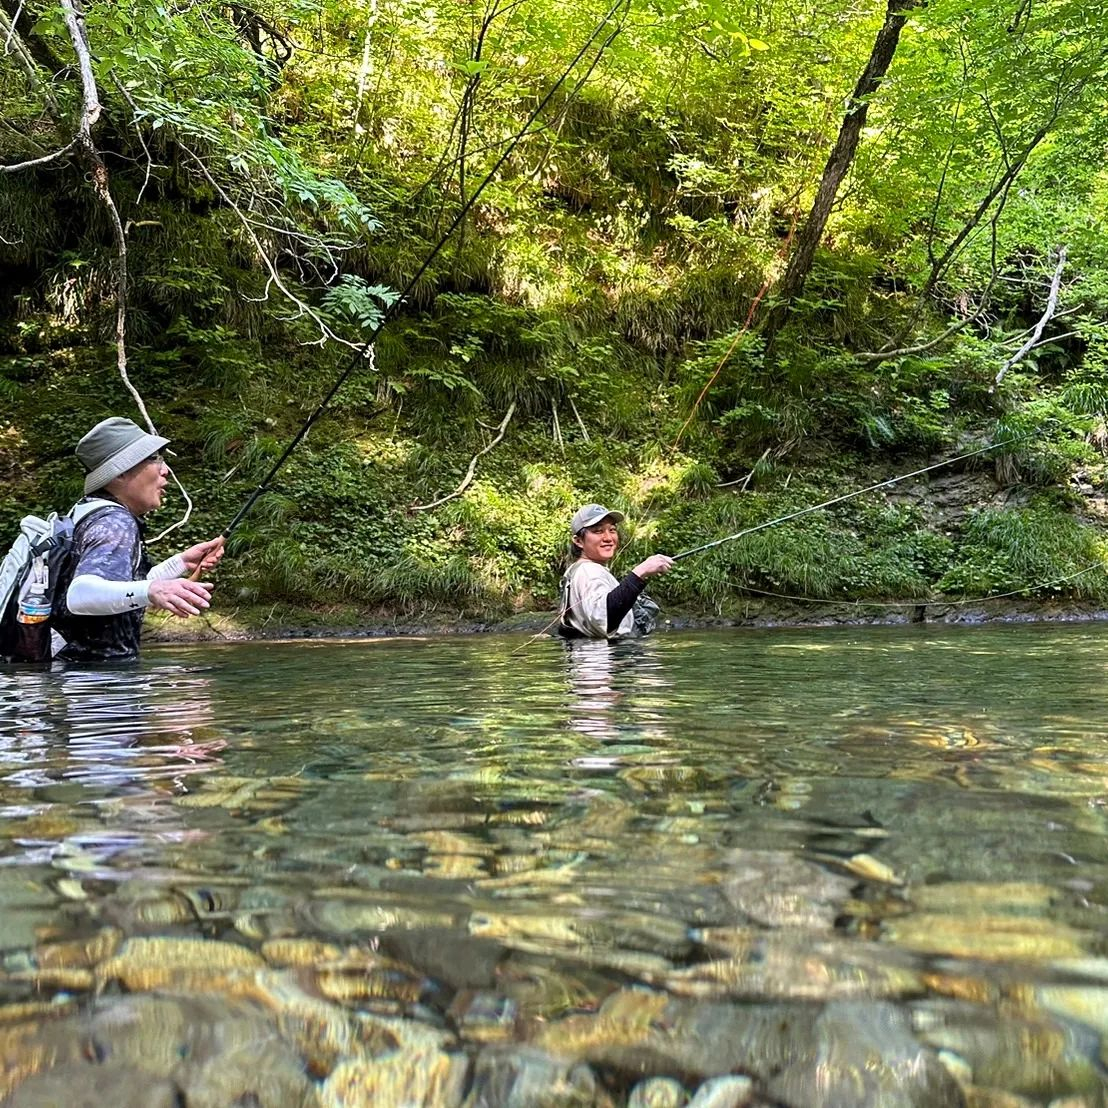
(776, 521)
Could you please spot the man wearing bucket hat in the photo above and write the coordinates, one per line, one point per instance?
(594, 605)
(99, 613)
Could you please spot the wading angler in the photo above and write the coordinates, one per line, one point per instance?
(594, 605)
(77, 586)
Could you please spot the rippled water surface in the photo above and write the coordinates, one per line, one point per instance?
(778, 868)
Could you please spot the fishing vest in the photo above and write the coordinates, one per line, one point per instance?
(102, 638)
(644, 612)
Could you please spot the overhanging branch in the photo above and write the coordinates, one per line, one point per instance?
(472, 470)
(1048, 314)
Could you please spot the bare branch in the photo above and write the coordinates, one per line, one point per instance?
(1020, 16)
(90, 113)
(90, 106)
(366, 68)
(998, 130)
(933, 222)
(472, 466)
(744, 482)
(1053, 338)
(184, 518)
(1051, 305)
(274, 278)
(12, 22)
(41, 161)
(1058, 338)
(872, 357)
(1001, 188)
(557, 426)
(253, 27)
(122, 90)
(580, 421)
(998, 195)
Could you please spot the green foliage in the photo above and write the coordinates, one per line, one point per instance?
(866, 550)
(354, 300)
(1038, 550)
(1045, 440)
(282, 169)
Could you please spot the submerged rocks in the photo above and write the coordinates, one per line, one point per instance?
(769, 981)
(794, 965)
(524, 1077)
(78, 1085)
(457, 959)
(786, 1017)
(657, 1092)
(731, 1091)
(485, 1017)
(995, 938)
(849, 1053)
(207, 1051)
(417, 1070)
(775, 888)
(147, 963)
(864, 1055)
(1025, 1053)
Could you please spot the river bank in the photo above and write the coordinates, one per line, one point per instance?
(284, 621)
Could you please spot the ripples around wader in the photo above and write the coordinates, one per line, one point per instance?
(860, 867)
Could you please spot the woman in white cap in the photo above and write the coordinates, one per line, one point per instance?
(99, 613)
(594, 604)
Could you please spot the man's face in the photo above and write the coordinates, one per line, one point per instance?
(142, 486)
(599, 542)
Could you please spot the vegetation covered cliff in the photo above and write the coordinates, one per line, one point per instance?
(747, 258)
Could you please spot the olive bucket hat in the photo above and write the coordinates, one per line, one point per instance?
(112, 447)
(590, 514)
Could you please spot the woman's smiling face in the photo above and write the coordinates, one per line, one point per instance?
(599, 542)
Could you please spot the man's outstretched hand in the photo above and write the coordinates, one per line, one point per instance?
(181, 596)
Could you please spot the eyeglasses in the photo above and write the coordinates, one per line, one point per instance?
(156, 458)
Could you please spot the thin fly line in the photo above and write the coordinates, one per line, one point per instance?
(850, 496)
(742, 332)
(922, 601)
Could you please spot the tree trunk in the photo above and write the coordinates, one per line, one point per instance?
(837, 167)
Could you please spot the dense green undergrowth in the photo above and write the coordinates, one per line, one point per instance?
(604, 299)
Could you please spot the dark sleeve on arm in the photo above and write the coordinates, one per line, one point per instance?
(622, 597)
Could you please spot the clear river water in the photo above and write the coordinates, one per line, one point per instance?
(852, 866)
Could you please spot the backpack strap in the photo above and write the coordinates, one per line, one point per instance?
(44, 544)
(57, 534)
(79, 516)
(85, 509)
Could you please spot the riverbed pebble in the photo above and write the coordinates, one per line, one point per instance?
(79, 1085)
(523, 1077)
(730, 1091)
(657, 1092)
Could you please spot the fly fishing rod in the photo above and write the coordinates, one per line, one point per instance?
(406, 291)
(850, 495)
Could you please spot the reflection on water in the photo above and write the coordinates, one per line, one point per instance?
(860, 867)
